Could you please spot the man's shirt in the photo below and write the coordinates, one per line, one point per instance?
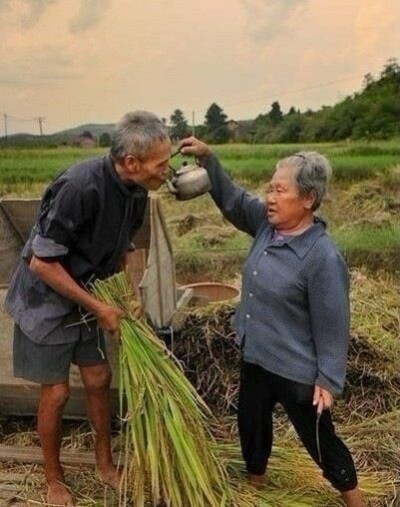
(86, 221)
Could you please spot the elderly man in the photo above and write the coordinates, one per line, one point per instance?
(87, 219)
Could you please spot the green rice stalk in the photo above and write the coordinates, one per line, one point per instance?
(168, 451)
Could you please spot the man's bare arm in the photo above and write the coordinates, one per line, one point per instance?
(56, 277)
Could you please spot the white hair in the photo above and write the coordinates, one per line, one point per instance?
(312, 172)
(136, 133)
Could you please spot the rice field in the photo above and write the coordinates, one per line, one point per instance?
(351, 161)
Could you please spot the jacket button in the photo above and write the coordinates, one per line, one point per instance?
(265, 252)
(255, 273)
(248, 316)
(251, 294)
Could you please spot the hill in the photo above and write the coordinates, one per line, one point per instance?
(64, 137)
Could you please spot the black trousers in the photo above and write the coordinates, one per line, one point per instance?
(260, 390)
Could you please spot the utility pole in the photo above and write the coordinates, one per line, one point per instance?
(5, 116)
(40, 120)
(193, 124)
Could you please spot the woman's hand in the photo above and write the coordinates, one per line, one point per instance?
(192, 146)
(322, 399)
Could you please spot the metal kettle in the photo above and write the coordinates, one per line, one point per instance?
(188, 182)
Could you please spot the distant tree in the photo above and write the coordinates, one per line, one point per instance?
(87, 133)
(292, 110)
(368, 80)
(391, 69)
(105, 139)
(275, 114)
(217, 131)
(179, 125)
(290, 129)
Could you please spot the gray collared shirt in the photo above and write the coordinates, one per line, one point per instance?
(86, 221)
(293, 319)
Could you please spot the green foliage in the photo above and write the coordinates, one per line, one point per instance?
(216, 129)
(275, 114)
(372, 113)
(105, 140)
(179, 125)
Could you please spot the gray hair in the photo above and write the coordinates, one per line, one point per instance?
(136, 133)
(312, 174)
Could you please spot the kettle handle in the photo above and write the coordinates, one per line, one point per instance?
(171, 187)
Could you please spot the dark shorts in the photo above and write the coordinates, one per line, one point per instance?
(50, 364)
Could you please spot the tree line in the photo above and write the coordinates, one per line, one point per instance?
(372, 113)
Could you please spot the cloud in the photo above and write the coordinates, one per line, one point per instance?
(89, 15)
(48, 64)
(28, 12)
(268, 19)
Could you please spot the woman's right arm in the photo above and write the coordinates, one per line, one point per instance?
(241, 209)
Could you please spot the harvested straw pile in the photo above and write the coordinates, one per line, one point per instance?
(369, 425)
(211, 358)
(170, 448)
(368, 414)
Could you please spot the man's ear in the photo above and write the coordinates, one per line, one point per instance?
(132, 164)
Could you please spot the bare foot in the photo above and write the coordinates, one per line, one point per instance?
(58, 494)
(111, 476)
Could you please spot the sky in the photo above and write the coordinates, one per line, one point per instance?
(90, 61)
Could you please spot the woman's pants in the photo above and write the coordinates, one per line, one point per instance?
(260, 390)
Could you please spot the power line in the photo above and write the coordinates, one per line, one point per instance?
(8, 117)
(289, 92)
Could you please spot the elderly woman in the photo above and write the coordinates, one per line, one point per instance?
(293, 321)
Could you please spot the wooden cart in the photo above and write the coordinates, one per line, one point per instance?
(152, 269)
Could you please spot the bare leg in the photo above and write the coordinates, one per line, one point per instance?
(52, 400)
(97, 380)
(353, 498)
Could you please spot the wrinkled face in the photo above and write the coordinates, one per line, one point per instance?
(151, 171)
(285, 207)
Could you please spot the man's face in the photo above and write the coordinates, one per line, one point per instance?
(152, 170)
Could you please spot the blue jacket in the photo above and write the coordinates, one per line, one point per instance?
(293, 319)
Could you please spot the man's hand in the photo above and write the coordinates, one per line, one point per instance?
(322, 399)
(192, 146)
(108, 318)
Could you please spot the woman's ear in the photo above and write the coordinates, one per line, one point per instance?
(308, 201)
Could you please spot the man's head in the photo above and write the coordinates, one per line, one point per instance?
(141, 148)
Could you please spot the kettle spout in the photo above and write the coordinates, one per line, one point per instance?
(171, 187)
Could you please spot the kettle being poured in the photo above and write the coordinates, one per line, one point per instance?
(189, 181)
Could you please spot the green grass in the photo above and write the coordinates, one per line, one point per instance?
(373, 239)
(350, 161)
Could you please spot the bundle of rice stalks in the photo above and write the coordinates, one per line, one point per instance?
(167, 440)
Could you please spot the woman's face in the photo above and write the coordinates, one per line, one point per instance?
(286, 209)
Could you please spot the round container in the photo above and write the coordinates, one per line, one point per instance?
(212, 292)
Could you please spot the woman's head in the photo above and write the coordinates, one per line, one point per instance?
(297, 188)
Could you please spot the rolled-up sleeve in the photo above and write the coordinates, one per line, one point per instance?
(241, 209)
(61, 216)
(328, 293)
